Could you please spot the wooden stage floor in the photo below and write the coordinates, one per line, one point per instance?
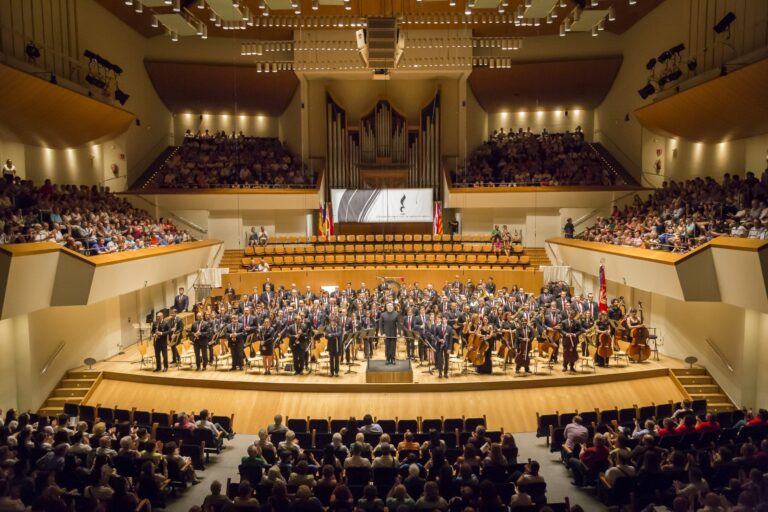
(509, 402)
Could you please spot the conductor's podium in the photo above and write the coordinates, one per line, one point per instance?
(378, 372)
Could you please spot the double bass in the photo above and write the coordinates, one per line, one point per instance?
(604, 345)
(638, 350)
(523, 356)
(570, 348)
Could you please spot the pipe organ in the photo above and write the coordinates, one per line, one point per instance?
(383, 138)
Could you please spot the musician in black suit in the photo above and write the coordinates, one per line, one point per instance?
(230, 292)
(181, 301)
(299, 336)
(389, 324)
(268, 295)
(160, 330)
(236, 337)
(419, 325)
(335, 345)
(409, 326)
(250, 326)
(592, 306)
(571, 328)
(346, 326)
(200, 335)
(524, 340)
(176, 326)
(443, 335)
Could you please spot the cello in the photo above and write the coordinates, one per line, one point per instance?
(638, 350)
(523, 356)
(604, 345)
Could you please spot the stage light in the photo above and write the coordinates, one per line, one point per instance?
(201, 4)
(692, 65)
(95, 81)
(315, 5)
(594, 31)
(177, 6)
(664, 57)
(121, 96)
(128, 2)
(174, 37)
(725, 23)
(676, 50)
(650, 64)
(646, 91)
(675, 75)
(611, 13)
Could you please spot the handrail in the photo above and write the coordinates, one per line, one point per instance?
(604, 136)
(177, 217)
(719, 354)
(586, 216)
(53, 356)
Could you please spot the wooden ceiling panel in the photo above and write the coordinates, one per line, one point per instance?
(572, 84)
(729, 107)
(35, 111)
(221, 88)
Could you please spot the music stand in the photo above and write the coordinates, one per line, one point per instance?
(347, 343)
(367, 334)
(431, 347)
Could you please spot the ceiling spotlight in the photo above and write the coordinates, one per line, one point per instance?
(675, 75)
(549, 19)
(128, 2)
(563, 3)
(520, 12)
(632, 2)
(218, 22)
(594, 3)
(262, 4)
(646, 91)
(168, 2)
(139, 8)
(155, 22)
(611, 13)
(568, 24)
(246, 13)
(235, 3)
(265, 12)
(204, 35)
(601, 25)
(650, 64)
(467, 9)
(452, 3)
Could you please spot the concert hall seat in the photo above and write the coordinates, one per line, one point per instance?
(349, 247)
(399, 258)
(331, 239)
(389, 238)
(430, 258)
(399, 238)
(471, 258)
(482, 258)
(431, 424)
(388, 426)
(321, 425)
(249, 251)
(290, 249)
(370, 238)
(408, 238)
(418, 248)
(518, 248)
(359, 259)
(492, 259)
(407, 248)
(270, 249)
(379, 258)
(410, 258)
(298, 425)
(440, 258)
(389, 258)
(309, 259)
(289, 260)
(348, 259)
(370, 248)
(427, 238)
(525, 259)
(418, 238)
(379, 238)
(339, 239)
(301, 249)
(360, 238)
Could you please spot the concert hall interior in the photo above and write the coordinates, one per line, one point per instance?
(349, 255)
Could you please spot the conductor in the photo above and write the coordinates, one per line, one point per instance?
(389, 322)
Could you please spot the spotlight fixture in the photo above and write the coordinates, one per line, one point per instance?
(201, 4)
(725, 23)
(675, 75)
(139, 8)
(692, 65)
(664, 57)
(128, 2)
(562, 30)
(452, 3)
(594, 31)
(177, 6)
(651, 64)
(174, 37)
(467, 9)
(646, 91)
(121, 96)
(677, 49)
(632, 2)
(204, 35)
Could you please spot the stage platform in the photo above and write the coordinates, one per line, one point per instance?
(127, 367)
(379, 372)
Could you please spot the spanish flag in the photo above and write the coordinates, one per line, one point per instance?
(321, 221)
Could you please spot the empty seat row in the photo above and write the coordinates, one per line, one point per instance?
(382, 259)
(407, 247)
(389, 426)
(300, 239)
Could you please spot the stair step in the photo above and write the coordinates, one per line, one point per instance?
(690, 380)
(83, 374)
(50, 411)
(720, 407)
(689, 371)
(77, 383)
(710, 397)
(61, 400)
(70, 392)
(705, 389)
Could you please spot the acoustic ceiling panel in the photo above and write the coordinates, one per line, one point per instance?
(225, 10)
(588, 19)
(177, 23)
(539, 8)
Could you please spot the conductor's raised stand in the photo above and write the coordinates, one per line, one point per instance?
(378, 372)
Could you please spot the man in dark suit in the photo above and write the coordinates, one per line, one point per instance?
(389, 324)
(316, 317)
(176, 326)
(335, 348)
(268, 295)
(298, 333)
(524, 341)
(181, 301)
(409, 326)
(236, 337)
(443, 335)
(419, 325)
(160, 330)
(230, 292)
(250, 323)
(592, 306)
(200, 335)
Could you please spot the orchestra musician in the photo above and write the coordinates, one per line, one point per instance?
(181, 301)
(299, 336)
(570, 328)
(420, 325)
(389, 323)
(200, 335)
(602, 326)
(236, 338)
(160, 330)
(488, 333)
(523, 340)
(443, 335)
(335, 345)
(174, 336)
(408, 325)
(587, 324)
(267, 334)
(549, 323)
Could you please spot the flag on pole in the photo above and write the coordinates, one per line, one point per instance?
(602, 298)
(321, 220)
(329, 219)
(437, 219)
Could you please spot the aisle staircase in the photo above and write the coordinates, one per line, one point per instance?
(74, 388)
(612, 163)
(699, 385)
